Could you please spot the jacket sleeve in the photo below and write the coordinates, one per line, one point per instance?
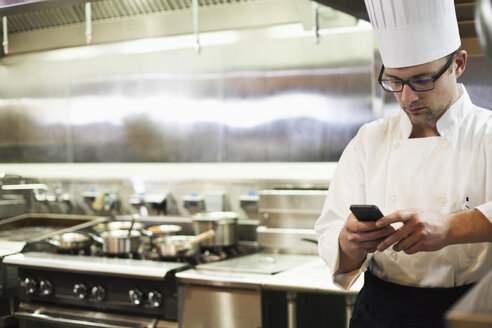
(346, 187)
(486, 208)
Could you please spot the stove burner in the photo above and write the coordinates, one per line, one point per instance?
(148, 252)
(207, 255)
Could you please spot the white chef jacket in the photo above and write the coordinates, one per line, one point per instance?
(445, 174)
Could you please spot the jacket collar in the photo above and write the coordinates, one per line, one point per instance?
(449, 120)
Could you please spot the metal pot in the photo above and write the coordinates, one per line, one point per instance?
(223, 223)
(71, 241)
(181, 245)
(119, 241)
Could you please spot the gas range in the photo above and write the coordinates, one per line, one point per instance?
(130, 286)
(141, 285)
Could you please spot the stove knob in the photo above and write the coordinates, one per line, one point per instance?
(31, 286)
(136, 296)
(154, 298)
(98, 293)
(80, 291)
(45, 287)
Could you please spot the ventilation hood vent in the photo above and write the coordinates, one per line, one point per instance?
(27, 15)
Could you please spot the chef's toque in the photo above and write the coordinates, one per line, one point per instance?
(413, 32)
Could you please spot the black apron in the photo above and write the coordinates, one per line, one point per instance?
(382, 304)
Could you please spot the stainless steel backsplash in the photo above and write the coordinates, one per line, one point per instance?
(168, 106)
(268, 101)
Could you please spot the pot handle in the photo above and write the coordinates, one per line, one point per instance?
(203, 236)
(146, 232)
(53, 242)
(97, 239)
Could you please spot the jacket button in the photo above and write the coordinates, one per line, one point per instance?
(442, 201)
(394, 255)
(393, 198)
(444, 144)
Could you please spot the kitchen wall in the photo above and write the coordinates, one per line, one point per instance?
(256, 100)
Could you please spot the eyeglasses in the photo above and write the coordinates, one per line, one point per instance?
(418, 85)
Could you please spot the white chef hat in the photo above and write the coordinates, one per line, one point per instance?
(413, 32)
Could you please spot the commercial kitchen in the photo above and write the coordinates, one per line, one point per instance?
(163, 162)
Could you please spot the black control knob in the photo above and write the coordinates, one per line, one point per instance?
(135, 296)
(31, 286)
(45, 288)
(154, 298)
(80, 291)
(98, 293)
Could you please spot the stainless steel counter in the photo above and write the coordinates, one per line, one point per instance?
(303, 273)
(313, 276)
(240, 281)
(474, 310)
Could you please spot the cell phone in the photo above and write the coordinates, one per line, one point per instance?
(366, 212)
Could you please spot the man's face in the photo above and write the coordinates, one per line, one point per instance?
(425, 107)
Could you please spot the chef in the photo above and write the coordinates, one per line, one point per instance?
(429, 170)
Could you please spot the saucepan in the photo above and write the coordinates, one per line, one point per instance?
(119, 241)
(72, 241)
(181, 245)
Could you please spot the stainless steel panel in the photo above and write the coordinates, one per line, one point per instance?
(259, 263)
(215, 118)
(205, 307)
(290, 219)
(297, 209)
(292, 199)
(253, 95)
(293, 241)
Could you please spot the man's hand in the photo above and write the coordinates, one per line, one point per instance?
(357, 239)
(421, 231)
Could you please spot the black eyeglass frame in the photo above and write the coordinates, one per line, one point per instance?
(409, 82)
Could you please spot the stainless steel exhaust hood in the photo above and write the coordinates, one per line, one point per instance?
(37, 25)
(27, 15)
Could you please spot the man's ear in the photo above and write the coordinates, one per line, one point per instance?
(460, 62)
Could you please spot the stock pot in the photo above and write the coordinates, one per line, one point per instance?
(223, 223)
